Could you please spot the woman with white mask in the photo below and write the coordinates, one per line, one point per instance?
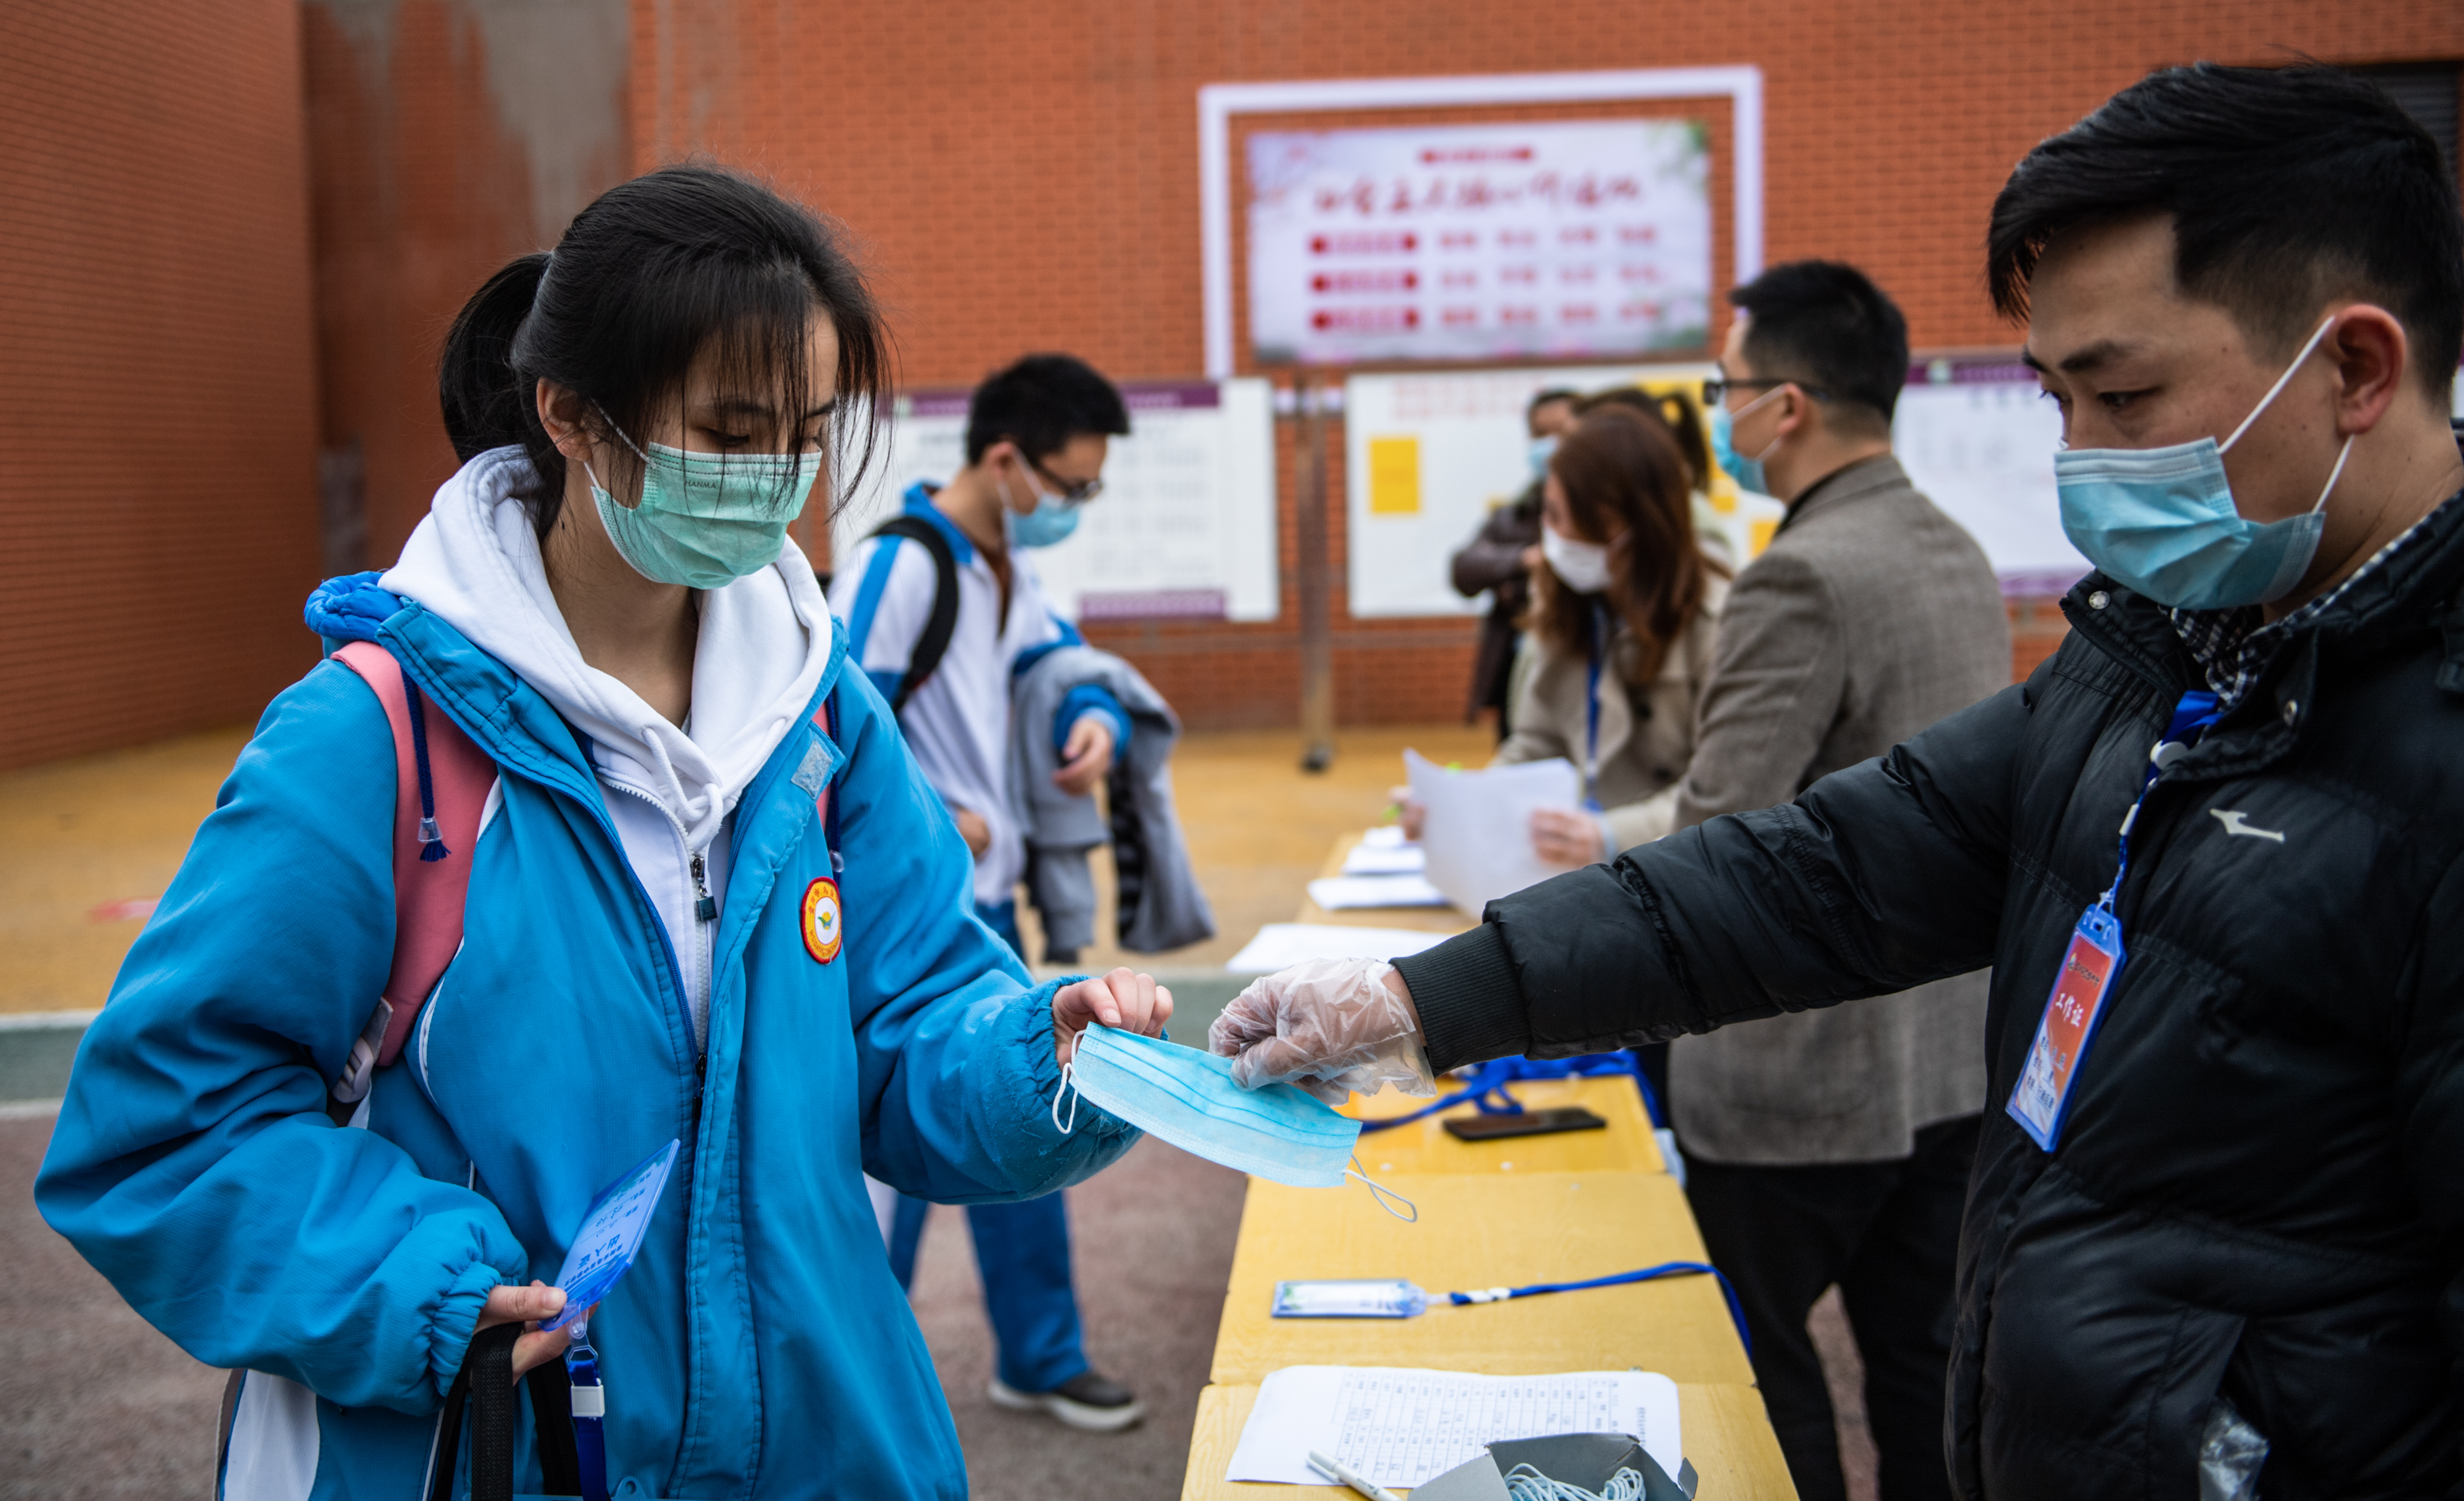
(1623, 618)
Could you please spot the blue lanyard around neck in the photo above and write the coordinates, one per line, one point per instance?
(2192, 717)
(1591, 708)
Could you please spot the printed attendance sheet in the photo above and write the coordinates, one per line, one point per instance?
(1401, 1426)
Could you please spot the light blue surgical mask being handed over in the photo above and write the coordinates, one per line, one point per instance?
(705, 519)
(1188, 1097)
(2162, 521)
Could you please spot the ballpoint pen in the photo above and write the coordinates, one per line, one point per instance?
(1334, 1470)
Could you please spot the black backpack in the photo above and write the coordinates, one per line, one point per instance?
(944, 619)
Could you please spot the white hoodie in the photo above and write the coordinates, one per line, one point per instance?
(764, 641)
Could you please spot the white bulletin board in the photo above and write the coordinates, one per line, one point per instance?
(1185, 526)
(1978, 439)
(1428, 455)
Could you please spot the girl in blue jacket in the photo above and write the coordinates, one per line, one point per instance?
(604, 601)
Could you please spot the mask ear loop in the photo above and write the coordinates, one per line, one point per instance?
(1381, 1193)
(2274, 390)
(1069, 1080)
(2336, 473)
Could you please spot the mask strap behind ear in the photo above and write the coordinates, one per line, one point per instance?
(1069, 1083)
(1382, 1194)
(2281, 381)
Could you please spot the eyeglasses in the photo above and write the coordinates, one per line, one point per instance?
(1716, 390)
(1077, 495)
(1072, 492)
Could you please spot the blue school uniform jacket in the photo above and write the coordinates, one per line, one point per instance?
(758, 1346)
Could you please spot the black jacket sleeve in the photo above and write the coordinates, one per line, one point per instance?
(1494, 556)
(1879, 877)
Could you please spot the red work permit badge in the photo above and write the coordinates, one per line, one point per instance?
(2042, 1098)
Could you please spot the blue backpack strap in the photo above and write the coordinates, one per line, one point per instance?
(829, 801)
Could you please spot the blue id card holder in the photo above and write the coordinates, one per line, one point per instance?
(2043, 1097)
(611, 1234)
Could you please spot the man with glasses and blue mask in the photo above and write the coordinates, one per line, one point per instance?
(2214, 848)
(941, 611)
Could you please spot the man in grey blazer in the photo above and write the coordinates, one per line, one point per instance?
(1833, 1145)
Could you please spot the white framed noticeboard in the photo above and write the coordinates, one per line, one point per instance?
(1427, 457)
(1562, 239)
(1186, 523)
(1978, 439)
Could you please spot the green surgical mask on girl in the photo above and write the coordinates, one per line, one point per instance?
(706, 519)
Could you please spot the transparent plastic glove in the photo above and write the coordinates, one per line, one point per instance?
(1331, 1026)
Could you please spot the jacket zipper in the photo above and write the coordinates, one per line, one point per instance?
(701, 1064)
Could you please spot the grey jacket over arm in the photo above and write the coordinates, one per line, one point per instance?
(1160, 905)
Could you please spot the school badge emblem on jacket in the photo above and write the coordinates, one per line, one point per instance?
(822, 930)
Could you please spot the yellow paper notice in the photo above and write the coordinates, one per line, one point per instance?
(1393, 476)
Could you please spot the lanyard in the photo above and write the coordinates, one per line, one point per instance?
(589, 1412)
(2192, 717)
(2040, 1100)
(1592, 709)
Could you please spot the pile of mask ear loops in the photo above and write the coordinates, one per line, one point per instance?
(1523, 1483)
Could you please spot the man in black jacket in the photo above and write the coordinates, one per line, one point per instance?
(2218, 1189)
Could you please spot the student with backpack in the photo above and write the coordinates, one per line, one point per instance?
(696, 891)
(943, 612)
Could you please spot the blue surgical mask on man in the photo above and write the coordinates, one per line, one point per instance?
(1543, 448)
(1187, 1096)
(1746, 472)
(1052, 520)
(2162, 521)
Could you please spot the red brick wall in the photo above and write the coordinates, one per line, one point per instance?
(1023, 175)
(446, 137)
(158, 453)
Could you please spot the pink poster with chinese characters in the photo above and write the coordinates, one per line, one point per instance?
(1587, 239)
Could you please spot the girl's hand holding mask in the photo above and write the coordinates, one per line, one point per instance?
(1123, 998)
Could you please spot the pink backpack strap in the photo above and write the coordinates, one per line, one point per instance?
(435, 830)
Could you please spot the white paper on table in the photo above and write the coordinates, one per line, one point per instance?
(1394, 858)
(1334, 893)
(1478, 827)
(1385, 837)
(1400, 1427)
(1279, 945)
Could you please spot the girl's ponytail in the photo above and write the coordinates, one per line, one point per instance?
(488, 402)
(677, 264)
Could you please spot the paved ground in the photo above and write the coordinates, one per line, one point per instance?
(1152, 1240)
(93, 1405)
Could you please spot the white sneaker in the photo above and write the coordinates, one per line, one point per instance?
(1086, 1401)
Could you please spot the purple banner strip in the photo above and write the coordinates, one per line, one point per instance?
(1185, 396)
(1980, 370)
(2041, 583)
(1157, 604)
